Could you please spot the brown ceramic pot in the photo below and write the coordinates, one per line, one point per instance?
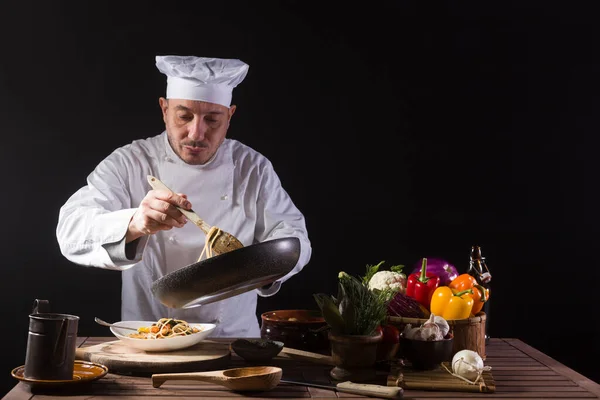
(298, 329)
(354, 356)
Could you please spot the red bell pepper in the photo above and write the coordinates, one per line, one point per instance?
(421, 285)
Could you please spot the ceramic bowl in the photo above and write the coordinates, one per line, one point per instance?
(256, 350)
(426, 355)
(298, 329)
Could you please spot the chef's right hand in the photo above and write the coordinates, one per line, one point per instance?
(158, 212)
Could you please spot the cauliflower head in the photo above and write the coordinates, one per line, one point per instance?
(388, 280)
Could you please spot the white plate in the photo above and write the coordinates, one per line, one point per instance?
(166, 344)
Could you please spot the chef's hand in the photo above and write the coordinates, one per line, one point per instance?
(157, 212)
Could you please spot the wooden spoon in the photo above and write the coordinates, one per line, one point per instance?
(302, 355)
(224, 241)
(242, 379)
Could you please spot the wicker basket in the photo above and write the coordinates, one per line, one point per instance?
(469, 333)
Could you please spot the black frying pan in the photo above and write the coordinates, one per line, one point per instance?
(228, 274)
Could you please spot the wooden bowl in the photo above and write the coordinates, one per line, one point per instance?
(298, 329)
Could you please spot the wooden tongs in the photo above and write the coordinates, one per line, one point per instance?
(223, 242)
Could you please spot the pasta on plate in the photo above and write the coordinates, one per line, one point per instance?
(165, 328)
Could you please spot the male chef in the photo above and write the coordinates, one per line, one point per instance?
(116, 221)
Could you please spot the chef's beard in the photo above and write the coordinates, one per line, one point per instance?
(177, 147)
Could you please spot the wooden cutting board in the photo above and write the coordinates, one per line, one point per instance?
(120, 358)
(438, 379)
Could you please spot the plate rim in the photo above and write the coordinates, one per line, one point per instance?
(52, 382)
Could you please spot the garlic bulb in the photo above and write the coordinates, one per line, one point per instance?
(428, 331)
(408, 330)
(443, 324)
(467, 364)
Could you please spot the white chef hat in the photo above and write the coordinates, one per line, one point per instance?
(202, 78)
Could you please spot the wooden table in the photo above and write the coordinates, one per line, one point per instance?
(519, 370)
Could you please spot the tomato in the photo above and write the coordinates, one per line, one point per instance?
(387, 348)
(391, 334)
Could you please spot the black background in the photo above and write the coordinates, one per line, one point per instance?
(401, 129)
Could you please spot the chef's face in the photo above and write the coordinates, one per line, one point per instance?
(195, 129)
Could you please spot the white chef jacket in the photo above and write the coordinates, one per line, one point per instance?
(237, 191)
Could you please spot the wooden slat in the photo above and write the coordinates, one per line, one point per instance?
(528, 396)
(203, 396)
(512, 378)
(581, 380)
(504, 394)
(520, 368)
(565, 383)
(526, 388)
(509, 356)
(511, 361)
(540, 372)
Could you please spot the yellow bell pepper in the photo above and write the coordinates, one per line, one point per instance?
(480, 294)
(451, 304)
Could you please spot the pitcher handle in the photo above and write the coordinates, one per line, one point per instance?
(41, 306)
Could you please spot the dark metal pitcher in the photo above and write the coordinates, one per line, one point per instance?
(51, 344)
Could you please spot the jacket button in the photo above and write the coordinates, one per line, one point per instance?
(168, 159)
(172, 239)
(224, 197)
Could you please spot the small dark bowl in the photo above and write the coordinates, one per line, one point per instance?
(426, 355)
(256, 350)
(298, 329)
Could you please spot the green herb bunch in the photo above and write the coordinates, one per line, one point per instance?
(355, 310)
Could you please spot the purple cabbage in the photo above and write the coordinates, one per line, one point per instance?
(403, 306)
(442, 268)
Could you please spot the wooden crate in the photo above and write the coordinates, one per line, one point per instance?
(469, 333)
